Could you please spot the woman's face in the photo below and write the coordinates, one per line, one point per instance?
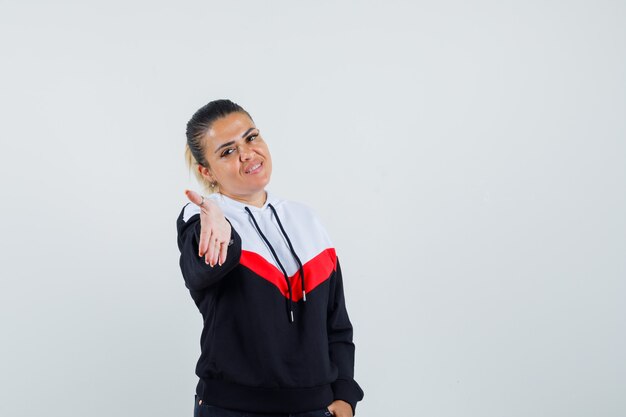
(239, 159)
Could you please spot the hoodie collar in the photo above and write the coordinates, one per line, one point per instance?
(238, 205)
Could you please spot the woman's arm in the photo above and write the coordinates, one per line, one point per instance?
(340, 344)
(209, 246)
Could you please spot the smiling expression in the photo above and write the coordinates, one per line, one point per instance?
(238, 157)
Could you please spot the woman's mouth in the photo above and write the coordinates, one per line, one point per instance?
(254, 168)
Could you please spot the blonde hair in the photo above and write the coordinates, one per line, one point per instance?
(192, 164)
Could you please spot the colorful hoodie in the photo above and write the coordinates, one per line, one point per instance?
(277, 337)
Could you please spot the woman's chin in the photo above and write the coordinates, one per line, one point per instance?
(262, 183)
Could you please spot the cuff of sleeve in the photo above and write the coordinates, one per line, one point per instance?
(348, 391)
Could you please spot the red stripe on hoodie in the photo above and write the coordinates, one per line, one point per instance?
(316, 271)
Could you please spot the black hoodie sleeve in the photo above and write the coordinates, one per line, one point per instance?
(340, 344)
(197, 274)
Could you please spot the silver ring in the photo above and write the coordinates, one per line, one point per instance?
(202, 201)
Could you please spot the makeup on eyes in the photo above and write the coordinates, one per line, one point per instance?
(224, 154)
(232, 142)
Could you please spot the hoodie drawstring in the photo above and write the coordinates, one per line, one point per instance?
(282, 268)
(293, 252)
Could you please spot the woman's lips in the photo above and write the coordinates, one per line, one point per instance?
(255, 168)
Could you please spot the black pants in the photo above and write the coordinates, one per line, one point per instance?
(206, 410)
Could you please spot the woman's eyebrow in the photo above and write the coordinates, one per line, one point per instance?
(224, 145)
(247, 131)
(232, 141)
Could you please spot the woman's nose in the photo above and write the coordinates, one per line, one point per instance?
(245, 153)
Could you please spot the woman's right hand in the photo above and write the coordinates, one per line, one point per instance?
(215, 230)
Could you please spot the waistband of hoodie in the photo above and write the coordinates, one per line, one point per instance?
(227, 394)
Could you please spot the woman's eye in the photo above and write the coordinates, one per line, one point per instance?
(227, 152)
(251, 138)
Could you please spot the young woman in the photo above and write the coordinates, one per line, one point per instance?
(277, 339)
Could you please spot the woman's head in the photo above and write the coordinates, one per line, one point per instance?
(224, 148)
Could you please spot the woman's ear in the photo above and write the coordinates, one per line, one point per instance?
(206, 173)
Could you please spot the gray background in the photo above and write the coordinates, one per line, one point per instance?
(467, 158)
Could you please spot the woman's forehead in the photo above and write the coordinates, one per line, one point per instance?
(230, 127)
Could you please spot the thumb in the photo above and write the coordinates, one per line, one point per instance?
(194, 197)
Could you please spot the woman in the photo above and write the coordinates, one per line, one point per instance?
(262, 271)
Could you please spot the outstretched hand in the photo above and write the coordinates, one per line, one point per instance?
(215, 230)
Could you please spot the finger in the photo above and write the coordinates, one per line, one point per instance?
(208, 256)
(196, 198)
(202, 246)
(216, 252)
(223, 250)
(211, 249)
(205, 234)
(193, 196)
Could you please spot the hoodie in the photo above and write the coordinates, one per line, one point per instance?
(277, 337)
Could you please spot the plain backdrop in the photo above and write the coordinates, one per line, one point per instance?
(467, 158)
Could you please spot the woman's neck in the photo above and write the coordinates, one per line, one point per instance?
(257, 199)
